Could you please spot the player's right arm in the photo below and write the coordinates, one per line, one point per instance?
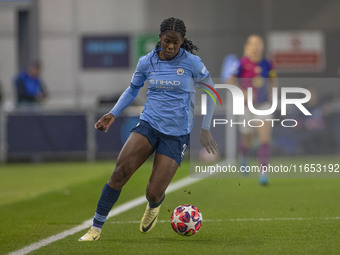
(124, 101)
(128, 96)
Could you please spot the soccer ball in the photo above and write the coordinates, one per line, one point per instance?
(186, 220)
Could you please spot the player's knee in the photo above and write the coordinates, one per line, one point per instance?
(120, 176)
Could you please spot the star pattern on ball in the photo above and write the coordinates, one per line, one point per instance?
(176, 218)
(191, 224)
(189, 209)
(186, 220)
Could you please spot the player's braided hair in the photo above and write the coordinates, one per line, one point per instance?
(177, 25)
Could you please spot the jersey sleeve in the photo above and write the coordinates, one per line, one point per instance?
(208, 85)
(125, 100)
(202, 79)
(199, 70)
(139, 77)
(129, 95)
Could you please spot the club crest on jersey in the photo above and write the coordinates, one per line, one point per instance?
(180, 71)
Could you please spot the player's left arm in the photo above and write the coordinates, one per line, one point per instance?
(202, 78)
(273, 80)
(206, 138)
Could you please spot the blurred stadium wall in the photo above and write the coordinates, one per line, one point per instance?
(52, 31)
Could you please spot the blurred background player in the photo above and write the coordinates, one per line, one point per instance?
(165, 122)
(256, 72)
(29, 86)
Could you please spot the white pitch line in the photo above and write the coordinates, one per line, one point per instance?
(236, 220)
(88, 223)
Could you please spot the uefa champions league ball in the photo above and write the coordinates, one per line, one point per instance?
(186, 220)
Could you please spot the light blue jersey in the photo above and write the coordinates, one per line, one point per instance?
(169, 107)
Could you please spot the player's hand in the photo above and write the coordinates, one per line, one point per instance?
(105, 122)
(208, 142)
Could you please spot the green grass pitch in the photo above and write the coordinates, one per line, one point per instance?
(291, 216)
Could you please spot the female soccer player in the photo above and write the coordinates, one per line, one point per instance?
(172, 71)
(257, 73)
